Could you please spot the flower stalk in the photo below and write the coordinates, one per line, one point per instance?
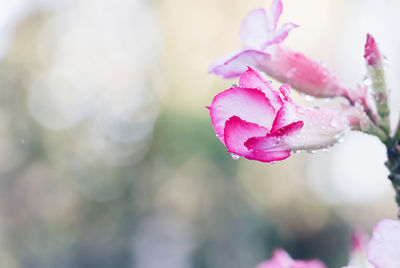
(397, 131)
(393, 164)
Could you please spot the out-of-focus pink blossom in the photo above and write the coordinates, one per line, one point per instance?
(281, 259)
(384, 248)
(362, 96)
(262, 50)
(257, 122)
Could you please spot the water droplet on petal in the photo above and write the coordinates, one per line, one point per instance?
(291, 72)
(309, 98)
(235, 156)
(367, 81)
(335, 122)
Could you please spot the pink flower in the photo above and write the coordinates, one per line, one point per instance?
(281, 259)
(257, 122)
(262, 49)
(384, 248)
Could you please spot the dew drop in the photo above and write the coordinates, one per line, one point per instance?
(367, 81)
(335, 122)
(235, 156)
(309, 98)
(291, 72)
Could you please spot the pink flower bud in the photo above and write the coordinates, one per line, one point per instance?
(372, 54)
(262, 50)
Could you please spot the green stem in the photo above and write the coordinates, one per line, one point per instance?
(397, 133)
(377, 76)
(393, 164)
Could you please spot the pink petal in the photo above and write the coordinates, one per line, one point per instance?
(237, 132)
(308, 264)
(274, 13)
(285, 91)
(234, 64)
(249, 104)
(304, 74)
(254, 31)
(281, 34)
(253, 79)
(322, 128)
(384, 247)
(281, 259)
(284, 116)
(274, 146)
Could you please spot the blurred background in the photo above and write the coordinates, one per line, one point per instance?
(108, 157)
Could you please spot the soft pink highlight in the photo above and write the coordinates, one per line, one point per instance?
(281, 259)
